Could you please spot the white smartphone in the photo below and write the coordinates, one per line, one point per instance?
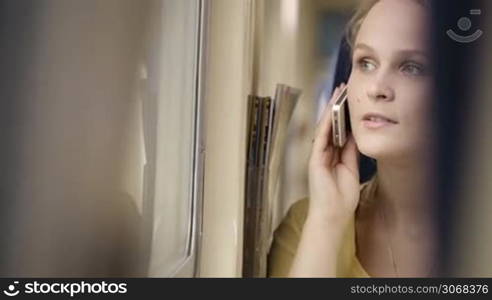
(339, 119)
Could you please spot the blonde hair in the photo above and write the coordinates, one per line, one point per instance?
(353, 26)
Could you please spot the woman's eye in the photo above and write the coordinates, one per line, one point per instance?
(413, 69)
(366, 65)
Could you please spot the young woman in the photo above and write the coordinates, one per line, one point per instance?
(386, 226)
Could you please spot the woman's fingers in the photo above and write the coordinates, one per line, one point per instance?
(323, 131)
(324, 115)
(350, 155)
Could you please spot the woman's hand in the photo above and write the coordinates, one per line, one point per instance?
(334, 195)
(333, 173)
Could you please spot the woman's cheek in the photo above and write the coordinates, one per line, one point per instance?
(413, 127)
(418, 108)
(353, 107)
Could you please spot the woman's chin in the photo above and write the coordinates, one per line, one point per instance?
(377, 150)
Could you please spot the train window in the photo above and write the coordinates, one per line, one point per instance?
(100, 125)
(170, 127)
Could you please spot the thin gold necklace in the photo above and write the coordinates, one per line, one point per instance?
(390, 249)
(388, 240)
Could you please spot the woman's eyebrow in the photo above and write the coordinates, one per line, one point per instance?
(399, 53)
(363, 46)
(412, 53)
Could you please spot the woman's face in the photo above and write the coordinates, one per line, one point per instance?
(390, 85)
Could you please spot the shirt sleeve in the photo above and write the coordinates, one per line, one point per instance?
(286, 239)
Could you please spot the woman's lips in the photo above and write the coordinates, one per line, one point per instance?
(376, 124)
(376, 120)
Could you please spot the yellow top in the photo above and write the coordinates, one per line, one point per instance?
(288, 234)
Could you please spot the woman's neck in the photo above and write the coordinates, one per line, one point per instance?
(405, 190)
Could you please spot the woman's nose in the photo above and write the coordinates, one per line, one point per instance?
(380, 90)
